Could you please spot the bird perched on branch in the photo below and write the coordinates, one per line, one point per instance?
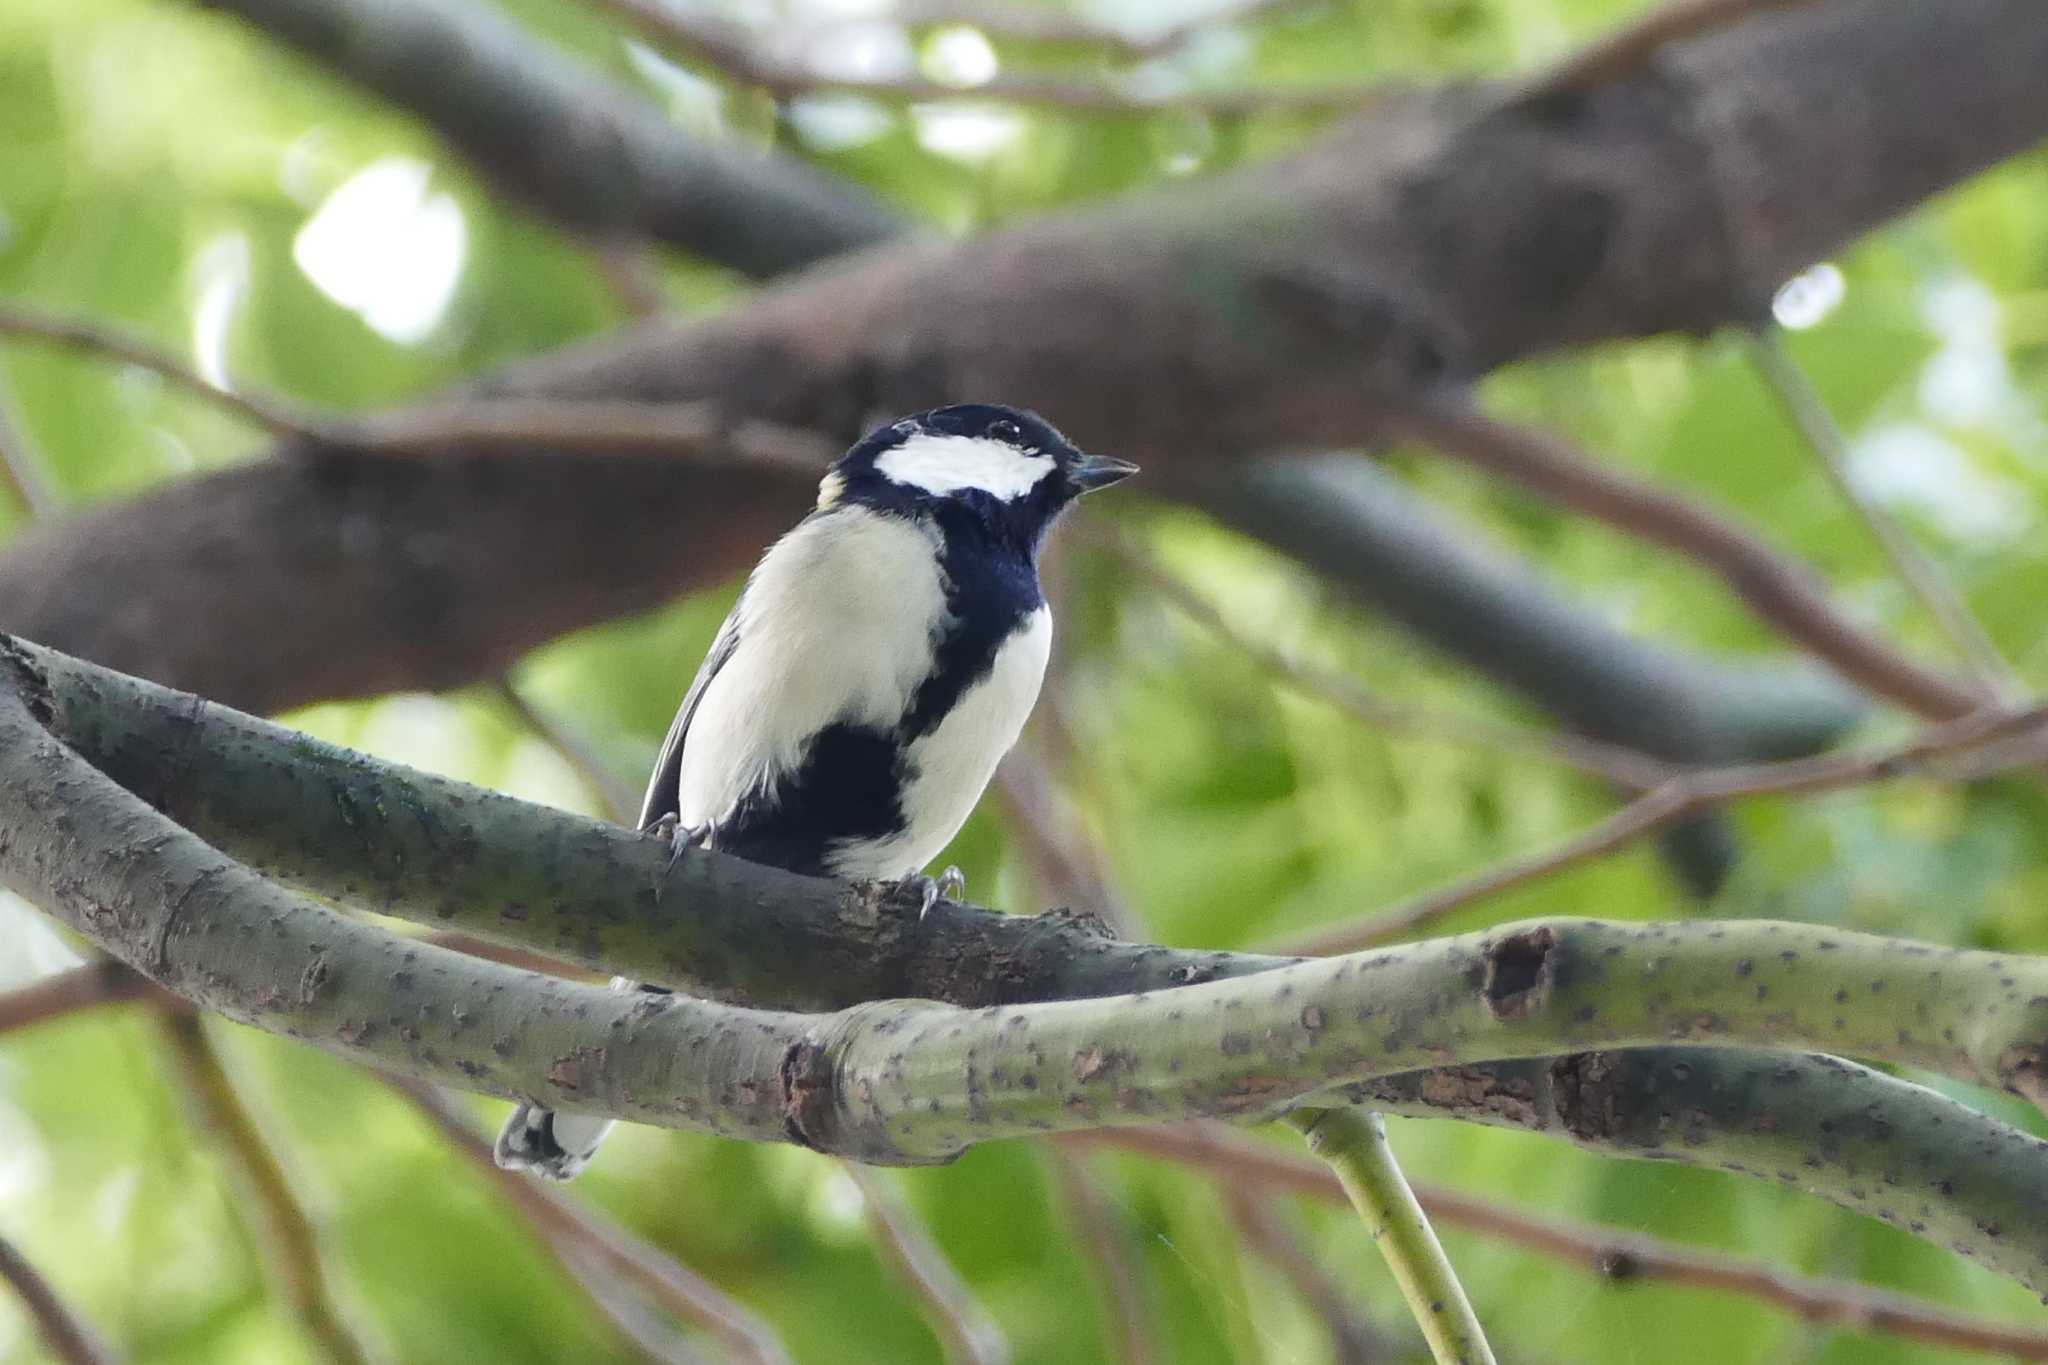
(881, 660)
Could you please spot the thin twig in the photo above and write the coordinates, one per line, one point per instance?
(101, 981)
(80, 335)
(1633, 46)
(1628, 767)
(1044, 24)
(1611, 1252)
(563, 1226)
(66, 1334)
(1660, 807)
(618, 800)
(20, 473)
(1353, 1338)
(1777, 589)
(1810, 415)
(1118, 1279)
(1354, 1146)
(968, 1335)
(735, 51)
(1064, 860)
(651, 1335)
(601, 427)
(295, 1261)
(632, 267)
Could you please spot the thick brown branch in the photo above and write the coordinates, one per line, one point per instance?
(569, 143)
(1241, 315)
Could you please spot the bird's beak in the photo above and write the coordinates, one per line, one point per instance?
(1100, 471)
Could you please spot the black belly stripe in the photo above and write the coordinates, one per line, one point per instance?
(848, 788)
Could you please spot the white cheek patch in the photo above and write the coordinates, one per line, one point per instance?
(948, 464)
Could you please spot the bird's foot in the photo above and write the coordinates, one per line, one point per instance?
(679, 836)
(948, 885)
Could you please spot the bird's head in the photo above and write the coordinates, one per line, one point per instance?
(1002, 468)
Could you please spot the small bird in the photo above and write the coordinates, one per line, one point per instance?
(881, 660)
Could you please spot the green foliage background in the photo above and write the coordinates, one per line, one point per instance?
(157, 163)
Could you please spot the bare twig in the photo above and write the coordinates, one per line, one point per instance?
(650, 1334)
(19, 472)
(66, 1334)
(1064, 860)
(564, 1228)
(1780, 591)
(618, 800)
(101, 981)
(1607, 1251)
(1044, 24)
(1796, 394)
(81, 335)
(1673, 801)
(736, 52)
(562, 426)
(1353, 1338)
(1126, 1312)
(1628, 767)
(285, 1229)
(1634, 45)
(967, 1333)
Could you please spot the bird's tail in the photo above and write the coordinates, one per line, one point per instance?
(549, 1142)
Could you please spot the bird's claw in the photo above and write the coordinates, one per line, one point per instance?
(948, 885)
(679, 836)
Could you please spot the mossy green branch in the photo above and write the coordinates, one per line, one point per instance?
(1354, 1146)
(909, 1081)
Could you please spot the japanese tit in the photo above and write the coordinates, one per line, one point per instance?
(882, 658)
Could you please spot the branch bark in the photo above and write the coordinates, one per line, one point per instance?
(561, 139)
(1412, 241)
(913, 1081)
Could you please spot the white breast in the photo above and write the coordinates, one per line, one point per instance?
(952, 765)
(836, 624)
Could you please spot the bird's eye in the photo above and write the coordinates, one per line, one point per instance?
(1006, 430)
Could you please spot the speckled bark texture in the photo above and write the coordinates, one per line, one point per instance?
(917, 1081)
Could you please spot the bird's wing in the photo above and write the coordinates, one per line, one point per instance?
(661, 798)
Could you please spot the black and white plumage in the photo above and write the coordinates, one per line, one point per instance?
(881, 660)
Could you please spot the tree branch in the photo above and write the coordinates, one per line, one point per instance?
(1635, 45)
(567, 1229)
(1611, 1252)
(66, 1334)
(966, 1333)
(569, 143)
(1408, 242)
(1354, 1147)
(293, 1255)
(1780, 592)
(1810, 416)
(1130, 1325)
(1673, 801)
(1353, 1338)
(865, 1082)
(738, 53)
(1623, 766)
